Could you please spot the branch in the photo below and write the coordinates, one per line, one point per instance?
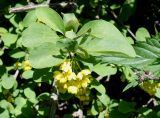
(128, 30)
(16, 74)
(54, 101)
(47, 4)
(25, 8)
(78, 113)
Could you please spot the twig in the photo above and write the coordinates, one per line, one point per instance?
(147, 75)
(99, 78)
(16, 74)
(25, 8)
(78, 113)
(128, 30)
(54, 101)
(47, 4)
(150, 101)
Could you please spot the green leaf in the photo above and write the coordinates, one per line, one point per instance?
(70, 22)
(43, 96)
(142, 34)
(68, 44)
(9, 39)
(15, 19)
(6, 105)
(127, 10)
(29, 18)
(147, 50)
(102, 114)
(44, 112)
(43, 75)
(154, 69)
(27, 74)
(4, 114)
(3, 70)
(120, 59)
(44, 56)
(8, 82)
(117, 114)
(37, 34)
(1, 62)
(104, 70)
(98, 86)
(130, 85)
(1, 52)
(129, 74)
(105, 38)
(126, 107)
(153, 42)
(1, 88)
(70, 34)
(50, 18)
(104, 99)
(17, 53)
(157, 94)
(30, 94)
(15, 93)
(94, 108)
(2, 31)
(20, 102)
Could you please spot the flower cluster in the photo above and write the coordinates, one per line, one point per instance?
(76, 84)
(25, 65)
(150, 87)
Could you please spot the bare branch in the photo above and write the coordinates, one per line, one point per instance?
(128, 30)
(16, 74)
(54, 101)
(78, 113)
(27, 7)
(47, 4)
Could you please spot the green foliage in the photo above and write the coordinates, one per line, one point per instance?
(42, 55)
(50, 18)
(37, 34)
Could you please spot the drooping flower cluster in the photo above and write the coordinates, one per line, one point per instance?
(150, 87)
(68, 81)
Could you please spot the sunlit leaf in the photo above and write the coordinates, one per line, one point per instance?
(38, 33)
(50, 18)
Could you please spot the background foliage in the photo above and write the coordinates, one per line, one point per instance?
(79, 58)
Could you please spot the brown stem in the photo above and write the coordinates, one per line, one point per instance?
(128, 30)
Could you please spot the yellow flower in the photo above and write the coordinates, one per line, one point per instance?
(27, 65)
(80, 75)
(66, 66)
(18, 64)
(72, 89)
(71, 76)
(84, 83)
(63, 80)
(83, 73)
(150, 87)
(65, 86)
(86, 72)
(59, 77)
